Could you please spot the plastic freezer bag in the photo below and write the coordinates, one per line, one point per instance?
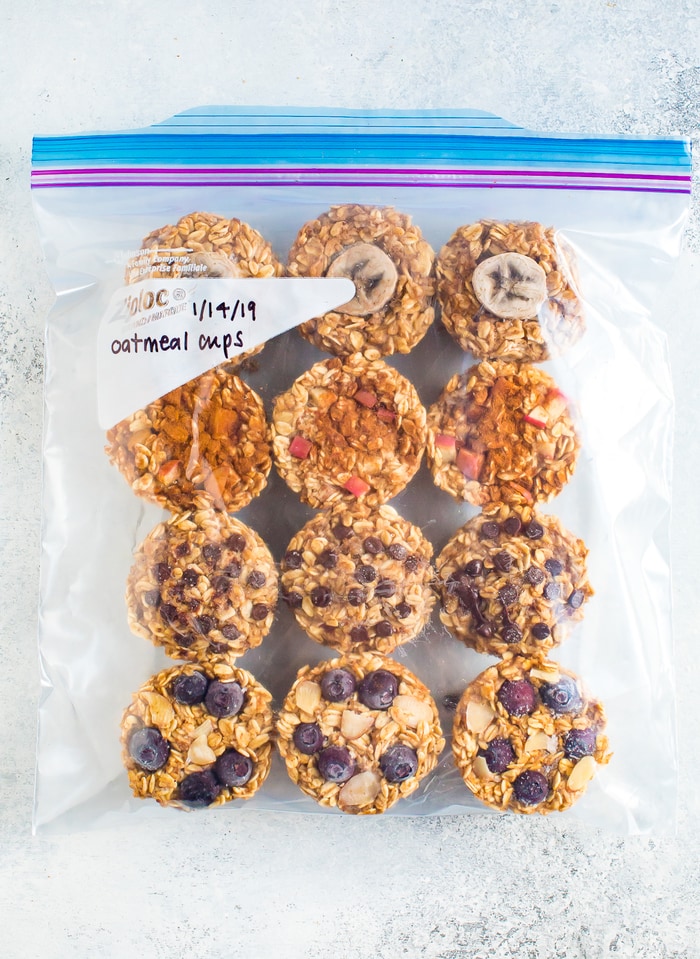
(177, 253)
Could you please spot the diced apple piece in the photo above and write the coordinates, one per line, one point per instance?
(366, 398)
(224, 422)
(556, 403)
(300, 447)
(356, 486)
(470, 463)
(169, 472)
(535, 420)
(385, 415)
(447, 447)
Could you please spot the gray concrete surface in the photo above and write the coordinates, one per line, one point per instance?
(265, 884)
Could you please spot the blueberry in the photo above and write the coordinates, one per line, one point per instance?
(338, 685)
(530, 787)
(335, 764)
(233, 768)
(398, 763)
(499, 754)
(579, 743)
(148, 749)
(517, 696)
(191, 689)
(199, 789)
(378, 689)
(451, 700)
(223, 699)
(561, 697)
(308, 738)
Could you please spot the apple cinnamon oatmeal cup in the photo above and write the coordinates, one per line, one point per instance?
(508, 290)
(392, 268)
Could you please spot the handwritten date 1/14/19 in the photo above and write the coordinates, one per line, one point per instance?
(229, 311)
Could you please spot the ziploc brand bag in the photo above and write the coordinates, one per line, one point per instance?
(357, 468)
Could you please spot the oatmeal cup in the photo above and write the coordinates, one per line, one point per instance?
(359, 579)
(208, 439)
(512, 581)
(392, 268)
(203, 586)
(527, 737)
(204, 245)
(347, 430)
(508, 290)
(195, 737)
(358, 733)
(501, 433)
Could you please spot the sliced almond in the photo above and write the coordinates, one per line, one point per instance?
(547, 676)
(353, 725)
(200, 752)
(479, 716)
(540, 740)
(308, 696)
(204, 729)
(582, 773)
(481, 769)
(361, 790)
(162, 713)
(411, 711)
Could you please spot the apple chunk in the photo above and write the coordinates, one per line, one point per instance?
(470, 463)
(300, 447)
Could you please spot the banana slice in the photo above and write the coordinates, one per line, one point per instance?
(216, 264)
(373, 274)
(512, 286)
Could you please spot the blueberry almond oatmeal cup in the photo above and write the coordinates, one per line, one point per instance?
(501, 433)
(392, 267)
(527, 737)
(203, 586)
(512, 581)
(508, 291)
(359, 579)
(348, 430)
(359, 733)
(195, 737)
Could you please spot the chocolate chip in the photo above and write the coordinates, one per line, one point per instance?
(508, 594)
(190, 577)
(412, 563)
(534, 576)
(293, 559)
(161, 572)
(503, 562)
(358, 634)
(372, 545)
(230, 631)
(194, 605)
(512, 633)
(321, 596)
(534, 530)
(385, 588)
(328, 559)
(233, 569)
(403, 610)
(384, 628)
(341, 532)
(184, 639)
(259, 611)
(212, 553)
(552, 591)
(397, 551)
(540, 630)
(168, 614)
(182, 549)
(512, 526)
(485, 630)
(222, 585)
(293, 600)
(177, 593)
(217, 647)
(576, 599)
(236, 543)
(474, 568)
(490, 530)
(151, 598)
(365, 574)
(257, 579)
(553, 566)
(356, 597)
(204, 624)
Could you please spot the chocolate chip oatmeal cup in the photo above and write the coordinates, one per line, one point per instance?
(202, 245)
(501, 433)
(507, 290)
(392, 268)
(358, 733)
(347, 430)
(203, 586)
(195, 737)
(359, 579)
(206, 440)
(512, 581)
(527, 737)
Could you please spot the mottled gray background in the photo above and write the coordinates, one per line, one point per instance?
(260, 885)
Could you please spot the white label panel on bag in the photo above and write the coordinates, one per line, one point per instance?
(158, 334)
